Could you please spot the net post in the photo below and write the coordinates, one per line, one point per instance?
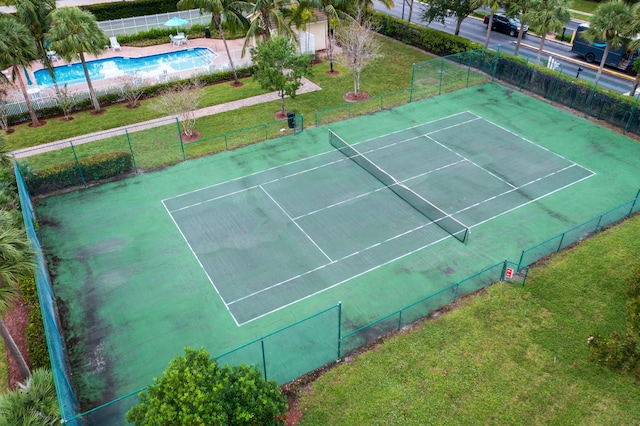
(133, 158)
(75, 156)
(184, 157)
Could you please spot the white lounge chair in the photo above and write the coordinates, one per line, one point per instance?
(114, 44)
(53, 56)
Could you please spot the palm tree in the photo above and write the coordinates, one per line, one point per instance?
(520, 8)
(265, 16)
(493, 6)
(336, 10)
(228, 10)
(32, 403)
(547, 16)
(73, 33)
(16, 263)
(35, 15)
(17, 49)
(611, 23)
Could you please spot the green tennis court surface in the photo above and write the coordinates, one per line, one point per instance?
(270, 239)
(219, 251)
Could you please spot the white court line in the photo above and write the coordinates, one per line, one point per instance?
(296, 223)
(472, 162)
(417, 228)
(200, 263)
(346, 279)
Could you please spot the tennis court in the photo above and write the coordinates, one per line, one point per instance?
(270, 239)
(219, 251)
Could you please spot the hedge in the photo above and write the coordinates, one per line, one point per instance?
(94, 169)
(129, 9)
(36, 341)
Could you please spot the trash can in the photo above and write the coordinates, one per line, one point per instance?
(291, 119)
(207, 33)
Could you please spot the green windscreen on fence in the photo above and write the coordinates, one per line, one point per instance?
(445, 221)
(67, 401)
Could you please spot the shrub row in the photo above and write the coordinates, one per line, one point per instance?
(128, 9)
(434, 41)
(36, 341)
(94, 169)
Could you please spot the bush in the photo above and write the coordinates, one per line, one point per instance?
(195, 390)
(36, 341)
(94, 169)
(118, 10)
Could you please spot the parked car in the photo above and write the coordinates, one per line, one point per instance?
(506, 25)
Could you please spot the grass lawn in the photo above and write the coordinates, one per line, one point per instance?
(387, 74)
(4, 368)
(510, 355)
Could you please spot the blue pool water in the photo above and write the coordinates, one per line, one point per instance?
(145, 67)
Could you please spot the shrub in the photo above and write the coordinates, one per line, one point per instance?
(118, 10)
(94, 169)
(36, 341)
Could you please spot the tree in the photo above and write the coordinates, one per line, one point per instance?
(521, 9)
(440, 9)
(359, 49)
(17, 50)
(493, 6)
(194, 390)
(73, 33)
(181, 101)
(35, 15)
(229, 11)
(611, 23)
(279, 67)
(16, 262)
(547, 16)
(32, 404)
(267, 15)
(335, 10)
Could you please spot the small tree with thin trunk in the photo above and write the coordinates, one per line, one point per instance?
(4, 102)
(132, 87)
(279, 67)
(66, 100)
(181, 101)
(359, 48)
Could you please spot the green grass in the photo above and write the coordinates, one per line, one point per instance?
(511, 355)
(4, 368)
(393, 71)
(587, 6)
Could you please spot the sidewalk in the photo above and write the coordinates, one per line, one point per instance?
(307, 87)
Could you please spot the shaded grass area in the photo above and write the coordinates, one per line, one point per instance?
(392, 71)
(4, 368)
(510, 355)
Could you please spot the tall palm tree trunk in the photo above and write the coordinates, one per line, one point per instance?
(27, 100)
(603, 61)
(543, 37)
(486, 40)
(218, 22)
(13, 349)
(92, 93)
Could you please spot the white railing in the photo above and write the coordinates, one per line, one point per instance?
(138, 24)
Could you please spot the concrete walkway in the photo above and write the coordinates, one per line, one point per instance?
(307, 87)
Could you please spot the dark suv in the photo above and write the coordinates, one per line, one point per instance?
(506, 25)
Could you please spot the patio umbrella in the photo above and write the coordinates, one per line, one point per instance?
(176, 22)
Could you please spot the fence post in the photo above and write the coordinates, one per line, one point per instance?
(593, 95)
(469, 68)
(633, 110)
(520, 261)
(441, 73)
(413, 73)
(635, 200)
(524, 74)
(184, 157)
(264, 360)
(133, 158)
(399, 320)
(339, 329)
(226, 145)
(561, 240)
(84, 183)
(495, 64)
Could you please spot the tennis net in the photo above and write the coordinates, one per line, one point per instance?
(445, 221)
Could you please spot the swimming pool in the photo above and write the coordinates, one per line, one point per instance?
(145, 67)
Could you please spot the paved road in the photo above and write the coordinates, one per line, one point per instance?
(473, 29)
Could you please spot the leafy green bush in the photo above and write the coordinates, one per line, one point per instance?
(103, 166)
(433, 41)
(195, 390)
(118, 10)
(36, 341)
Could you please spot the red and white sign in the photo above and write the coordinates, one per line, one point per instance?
(508, 273)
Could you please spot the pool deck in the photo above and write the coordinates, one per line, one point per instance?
(220, 62)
